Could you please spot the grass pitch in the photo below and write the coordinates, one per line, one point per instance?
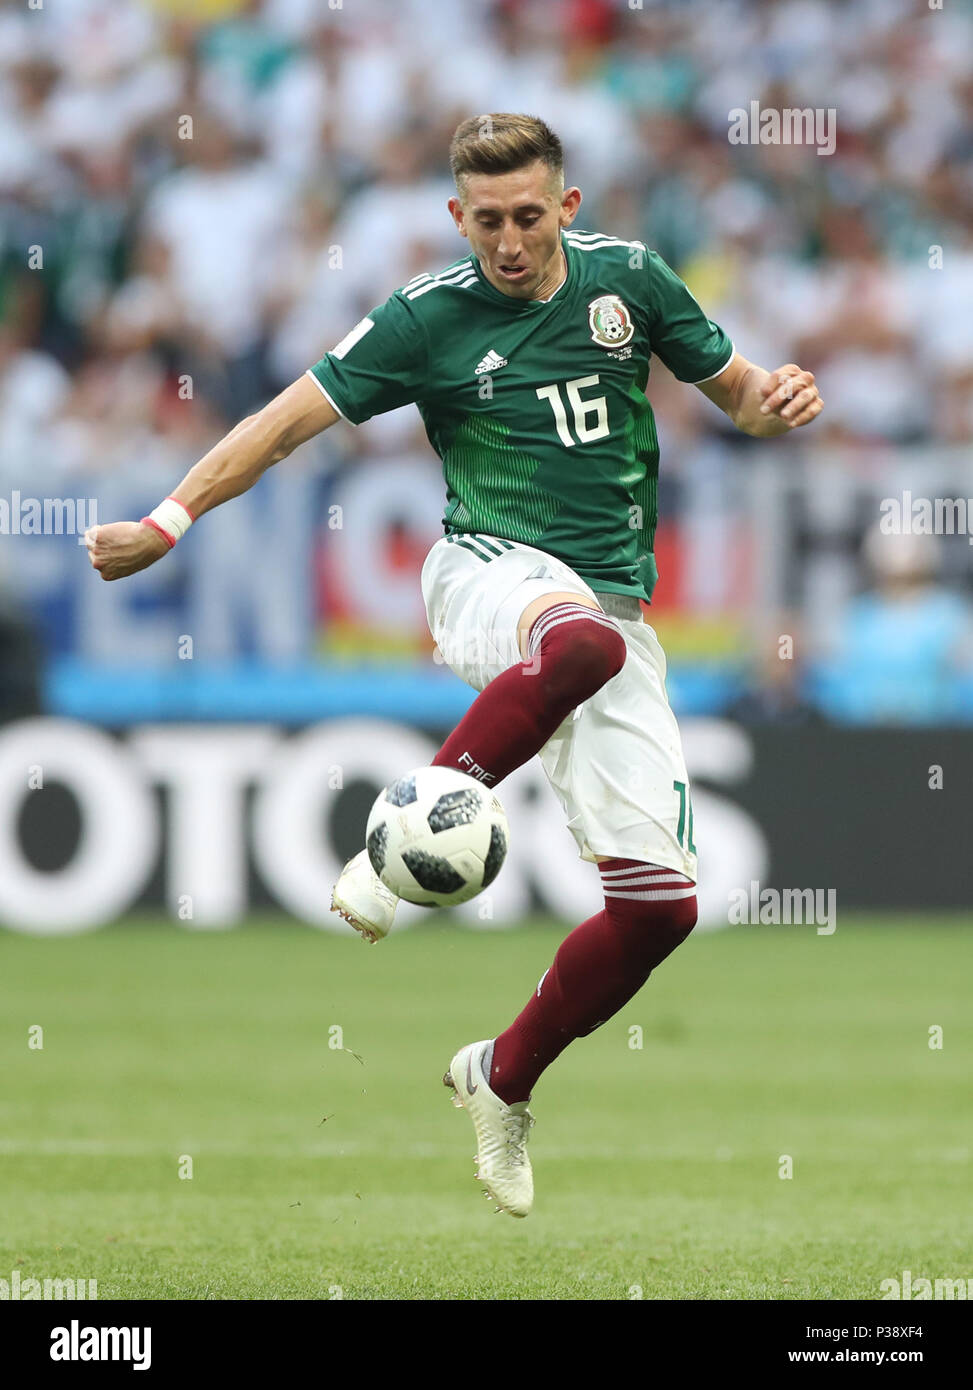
(317, 1173)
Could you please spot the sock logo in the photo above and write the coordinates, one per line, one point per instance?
(473, 768)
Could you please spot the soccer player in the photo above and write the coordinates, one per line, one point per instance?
(528, 360)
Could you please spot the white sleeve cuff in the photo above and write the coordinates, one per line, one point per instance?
(328, 398)
(703, 380)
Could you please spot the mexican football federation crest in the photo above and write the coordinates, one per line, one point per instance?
(610, 321)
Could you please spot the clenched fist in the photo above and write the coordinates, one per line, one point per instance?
(791, 394)
(123, 547)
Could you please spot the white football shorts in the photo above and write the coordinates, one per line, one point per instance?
(616, 763)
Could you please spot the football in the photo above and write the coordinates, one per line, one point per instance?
(437, 837)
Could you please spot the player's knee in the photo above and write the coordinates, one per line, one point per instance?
(587, 654)
(600, 649)
(677, 915)
(652, 926)
(685, 914)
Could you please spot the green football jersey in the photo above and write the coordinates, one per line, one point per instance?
(537, 408)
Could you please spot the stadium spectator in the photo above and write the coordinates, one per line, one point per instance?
(902, 644)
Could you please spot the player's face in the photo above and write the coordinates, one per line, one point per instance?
(513, 222)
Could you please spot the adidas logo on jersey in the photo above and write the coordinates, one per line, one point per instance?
(491, 363)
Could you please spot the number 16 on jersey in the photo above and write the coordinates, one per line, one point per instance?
(582, 409)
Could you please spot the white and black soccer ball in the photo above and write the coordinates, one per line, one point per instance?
(437, 837)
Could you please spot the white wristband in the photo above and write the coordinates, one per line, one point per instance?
(170, 518)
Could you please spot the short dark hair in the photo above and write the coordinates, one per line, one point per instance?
(501, 141)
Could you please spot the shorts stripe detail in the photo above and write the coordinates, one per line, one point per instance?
(471, 540)
(482, 540)
(457, 540)
(474, 540)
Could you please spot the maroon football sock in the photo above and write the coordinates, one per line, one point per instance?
(572, 651)
(648, 912)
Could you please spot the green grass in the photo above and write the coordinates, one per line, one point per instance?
(655, 1168)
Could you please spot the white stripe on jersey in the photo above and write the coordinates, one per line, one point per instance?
(351, 338)
(443, 276)
(598, 236)
(592, 241)
(607, 245)
(447, 274)
(461, 278)
(442, 284)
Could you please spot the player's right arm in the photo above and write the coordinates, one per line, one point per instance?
(230, 468)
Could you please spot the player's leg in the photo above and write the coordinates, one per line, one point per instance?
(599, 967)
(648, 912)
(526, 632)
(625, 786)
(618, 770)
(570, 648)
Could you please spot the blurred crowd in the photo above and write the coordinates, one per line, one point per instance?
(213, 192)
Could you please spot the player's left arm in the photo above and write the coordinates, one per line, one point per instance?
(763, 403)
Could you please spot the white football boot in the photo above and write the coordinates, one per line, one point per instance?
(501, 1132)
(362, 899)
